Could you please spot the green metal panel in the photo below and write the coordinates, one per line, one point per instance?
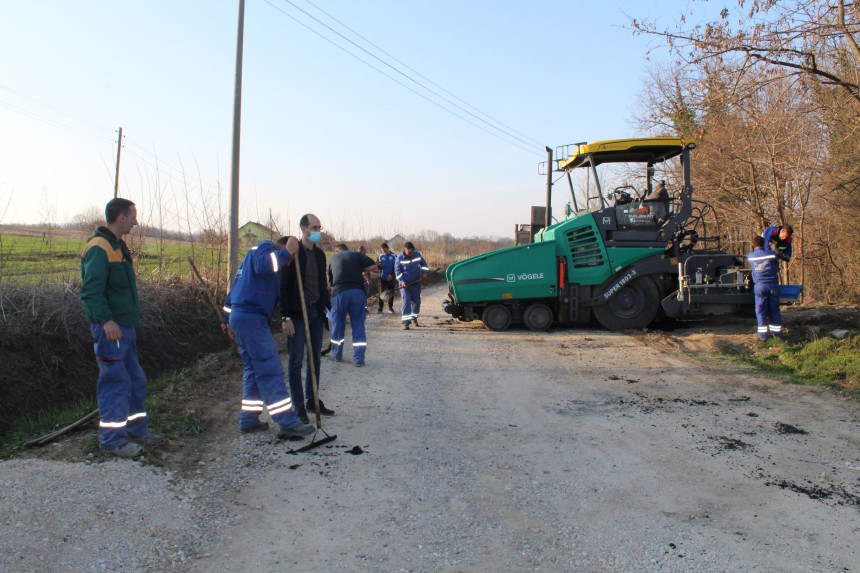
(521, 272)
(590, 262)
(578, 240)
(622, 257)
(530, 271)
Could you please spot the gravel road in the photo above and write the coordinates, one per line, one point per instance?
(461, 449)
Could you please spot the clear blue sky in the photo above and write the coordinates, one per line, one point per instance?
(321, 131)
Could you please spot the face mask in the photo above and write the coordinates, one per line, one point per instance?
(314, 236)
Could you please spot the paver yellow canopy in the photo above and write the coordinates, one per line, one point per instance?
(650, 150)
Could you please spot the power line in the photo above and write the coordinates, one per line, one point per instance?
(416, 72)
(54, 109)
(52, 122)
(169, 172)
(158, 165)
(160, 161)
(405, 75)
(395, 80)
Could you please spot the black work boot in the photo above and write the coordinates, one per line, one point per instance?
(323, 410)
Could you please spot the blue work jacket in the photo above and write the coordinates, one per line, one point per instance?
(408, 269)
(765, 266)
(257, 284)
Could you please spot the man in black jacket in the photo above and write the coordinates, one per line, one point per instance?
(317, 302)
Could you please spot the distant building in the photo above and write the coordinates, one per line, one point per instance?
(252, 233)
(395, 243)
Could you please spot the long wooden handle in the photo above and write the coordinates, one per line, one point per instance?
(308, 337)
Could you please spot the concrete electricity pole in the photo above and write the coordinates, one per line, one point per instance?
(233, 261)
(116, 179)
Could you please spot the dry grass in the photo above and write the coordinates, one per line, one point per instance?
(46, 345)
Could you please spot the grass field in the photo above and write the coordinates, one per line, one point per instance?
(56, 258)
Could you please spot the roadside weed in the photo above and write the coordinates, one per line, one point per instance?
(825, 361)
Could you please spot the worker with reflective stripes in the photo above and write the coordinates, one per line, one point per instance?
(765, 274)
(346, 276)
(248, 310)
(109, 295)
(409, 268)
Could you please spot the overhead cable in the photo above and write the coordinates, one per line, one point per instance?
(395, 80)
(53, 123)
(416, 72)
(54, 108)
(160, 161)
(404, 74)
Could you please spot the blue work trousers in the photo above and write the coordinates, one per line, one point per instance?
(767, 310)
(349, 302)
(263, 382)
(121, 387)
(298, 353)
(411, 298)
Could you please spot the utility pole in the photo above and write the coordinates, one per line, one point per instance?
(233, 261)
(116, 179)
(548, 215)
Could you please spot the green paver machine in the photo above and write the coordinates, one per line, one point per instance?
(624, 259)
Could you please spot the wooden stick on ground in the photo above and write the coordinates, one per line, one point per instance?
(48, 438)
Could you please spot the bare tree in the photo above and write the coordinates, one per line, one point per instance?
(772, 95)
(814, 39)
(88, 220)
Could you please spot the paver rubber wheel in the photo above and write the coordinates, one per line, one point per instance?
(538, 317)
(634, 306)
(496, 317)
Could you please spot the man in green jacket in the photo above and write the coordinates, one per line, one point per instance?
(109, 295)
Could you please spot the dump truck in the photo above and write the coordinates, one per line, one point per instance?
(635, 252)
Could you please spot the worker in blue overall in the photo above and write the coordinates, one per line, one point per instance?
(248, 311)
(409, 268)
(778, 240)
(109, 296)
(346, 276)
(765, 274)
